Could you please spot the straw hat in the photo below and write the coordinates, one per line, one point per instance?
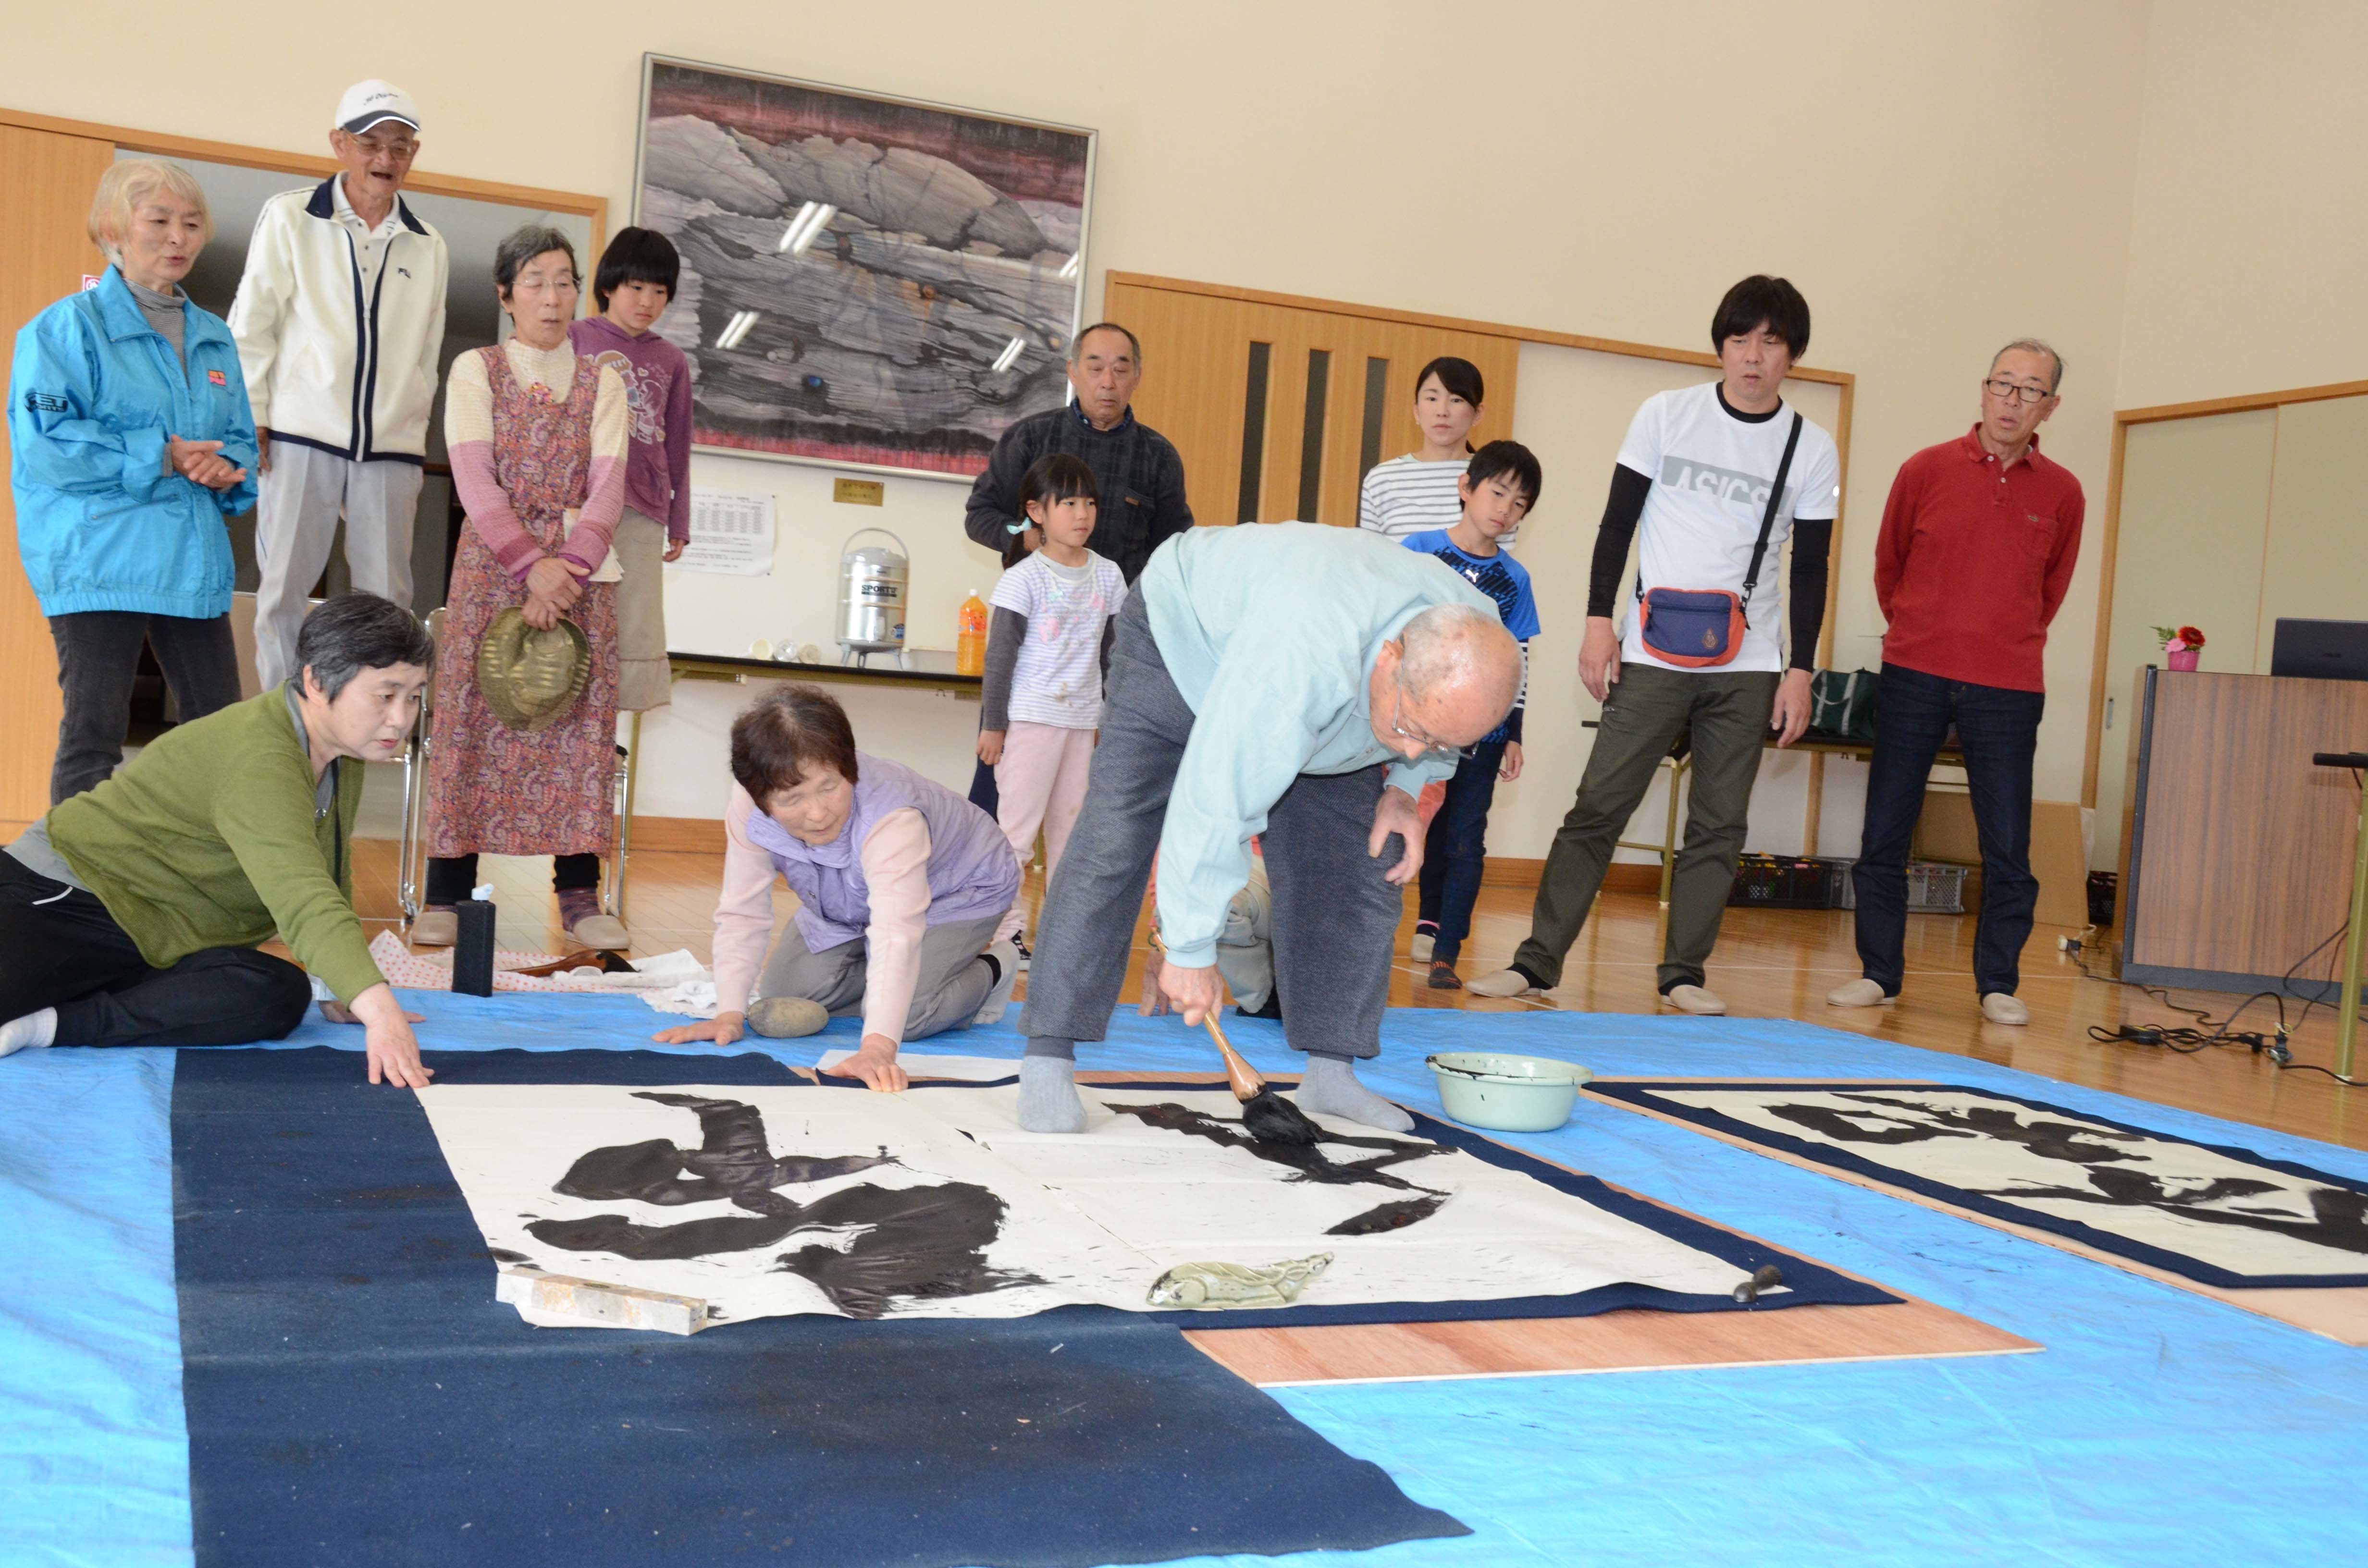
(531, 678)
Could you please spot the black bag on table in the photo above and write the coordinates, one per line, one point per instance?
(1841, 704)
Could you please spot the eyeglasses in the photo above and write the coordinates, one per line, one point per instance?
(1430, 747)
(2004, 390)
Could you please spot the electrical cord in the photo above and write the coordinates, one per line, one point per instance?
(2189, 1040)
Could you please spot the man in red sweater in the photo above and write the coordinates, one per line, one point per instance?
(1978, 542)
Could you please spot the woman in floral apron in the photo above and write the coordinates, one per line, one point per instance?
(538, 436)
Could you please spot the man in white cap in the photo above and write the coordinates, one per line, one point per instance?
(339, 320)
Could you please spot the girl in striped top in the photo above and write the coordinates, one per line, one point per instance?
(1416, 493)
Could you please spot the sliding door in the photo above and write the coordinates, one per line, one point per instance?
(1278, 410)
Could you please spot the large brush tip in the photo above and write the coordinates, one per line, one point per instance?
(1270, 1119)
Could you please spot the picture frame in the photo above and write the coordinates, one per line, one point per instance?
(868, 281)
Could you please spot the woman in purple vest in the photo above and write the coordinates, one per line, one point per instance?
(901, 884)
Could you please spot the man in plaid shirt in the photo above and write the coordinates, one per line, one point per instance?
(1140, 476)
(1137, 470)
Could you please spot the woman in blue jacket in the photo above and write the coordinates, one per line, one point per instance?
(132, 441)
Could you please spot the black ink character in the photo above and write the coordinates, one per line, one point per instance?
(733, 1161)
(2339, 1215)
(1921, 1122)
(921, 1242)
(1309, 1162)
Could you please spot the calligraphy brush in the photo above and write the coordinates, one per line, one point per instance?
(1266, 1115)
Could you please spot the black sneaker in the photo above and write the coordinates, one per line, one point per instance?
(1020, 947)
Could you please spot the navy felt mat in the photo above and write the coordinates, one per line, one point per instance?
(357, 1397)
(1874, 1168)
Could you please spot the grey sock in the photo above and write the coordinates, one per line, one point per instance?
(1329, 1087)
(1048, 1095)
(1051, 1045)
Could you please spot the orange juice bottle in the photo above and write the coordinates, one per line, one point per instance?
(970, 636)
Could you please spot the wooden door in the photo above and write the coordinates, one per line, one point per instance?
(1279, 409)
(46, 182)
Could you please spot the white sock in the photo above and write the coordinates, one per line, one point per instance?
(32, 1029)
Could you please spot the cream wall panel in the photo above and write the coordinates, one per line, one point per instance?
(2316, 562)
(2250, 209)
(2196, 496)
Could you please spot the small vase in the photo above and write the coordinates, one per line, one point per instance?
(2184, 658)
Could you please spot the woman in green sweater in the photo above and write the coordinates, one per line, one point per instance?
(130, 915)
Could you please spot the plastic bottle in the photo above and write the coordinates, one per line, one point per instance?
(970, 636)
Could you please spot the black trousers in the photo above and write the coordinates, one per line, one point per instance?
(1455, 851)
(98, 656)
(59, 947)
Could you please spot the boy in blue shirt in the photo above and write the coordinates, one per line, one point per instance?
(1498, 487)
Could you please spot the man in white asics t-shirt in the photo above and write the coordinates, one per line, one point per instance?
(1692, 486)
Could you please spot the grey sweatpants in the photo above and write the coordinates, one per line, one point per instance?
(949, 990)
(296, 516)
(1335, 915)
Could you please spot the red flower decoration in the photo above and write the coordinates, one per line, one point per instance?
(2192, 637)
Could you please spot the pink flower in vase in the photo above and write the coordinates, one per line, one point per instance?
(2182, 645)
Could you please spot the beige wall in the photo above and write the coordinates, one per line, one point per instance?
(2251, 208)
(1934, 185)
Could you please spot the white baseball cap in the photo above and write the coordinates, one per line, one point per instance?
(367, 103)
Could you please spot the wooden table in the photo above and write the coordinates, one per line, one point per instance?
(2237, 849)
(740, 668)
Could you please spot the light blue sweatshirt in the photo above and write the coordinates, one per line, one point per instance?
(1270, 631)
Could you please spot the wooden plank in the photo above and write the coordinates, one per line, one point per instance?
(1609, 1342)
(679, 835)
(2338, 1314)
(47, 179)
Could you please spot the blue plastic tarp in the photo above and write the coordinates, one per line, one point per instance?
(2156, 1426)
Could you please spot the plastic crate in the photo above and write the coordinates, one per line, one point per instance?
(1932, 888)
(1773, 881)
(1936, 889)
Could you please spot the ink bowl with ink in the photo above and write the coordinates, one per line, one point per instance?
(1504, 1093)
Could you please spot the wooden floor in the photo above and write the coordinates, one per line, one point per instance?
(1770, 963)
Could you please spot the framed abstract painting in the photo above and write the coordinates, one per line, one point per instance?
(866, 280)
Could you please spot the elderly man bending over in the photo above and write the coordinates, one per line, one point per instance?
(1260, 680)
(130, 915)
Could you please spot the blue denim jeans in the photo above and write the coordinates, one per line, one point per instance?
(1455, 851)
(1998, 729)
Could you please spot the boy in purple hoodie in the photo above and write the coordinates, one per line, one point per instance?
(632, 287)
